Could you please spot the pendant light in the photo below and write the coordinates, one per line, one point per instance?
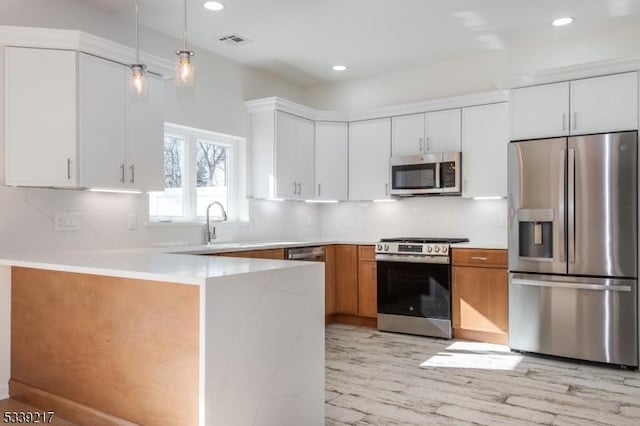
(138, 85)
(184, 68)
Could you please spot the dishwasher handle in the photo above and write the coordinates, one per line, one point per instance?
(312, 254)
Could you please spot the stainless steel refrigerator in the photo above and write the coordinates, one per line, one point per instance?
(573, 249)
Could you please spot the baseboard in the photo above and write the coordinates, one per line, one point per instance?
(354, 320)
(481, 336)
(4, 392)
(64, 408)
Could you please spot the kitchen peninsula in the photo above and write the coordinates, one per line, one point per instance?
(135, 337)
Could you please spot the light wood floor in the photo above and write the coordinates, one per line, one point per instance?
(10, 405)
(375, 378)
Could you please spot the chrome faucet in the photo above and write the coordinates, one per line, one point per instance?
(211, 233)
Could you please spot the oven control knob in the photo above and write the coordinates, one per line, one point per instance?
(429, 248)
(386, 247)
(445, 249)
(437, 249)
(379, 247)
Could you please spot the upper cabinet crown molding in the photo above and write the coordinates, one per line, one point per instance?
(571, 72)
(48, 38)
(280, 104)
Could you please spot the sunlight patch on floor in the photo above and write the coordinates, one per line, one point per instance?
(480, 356)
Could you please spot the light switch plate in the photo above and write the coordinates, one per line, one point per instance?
(132, 223)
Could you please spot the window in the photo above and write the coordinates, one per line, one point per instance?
(199, 167)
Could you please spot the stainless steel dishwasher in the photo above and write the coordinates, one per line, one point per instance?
(311, 254)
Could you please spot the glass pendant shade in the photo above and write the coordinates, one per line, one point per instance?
(138, 85)
(185, 70)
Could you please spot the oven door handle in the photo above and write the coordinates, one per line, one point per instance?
(442, 260)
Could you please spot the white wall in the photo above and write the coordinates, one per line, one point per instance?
(478, 220)
(473, 73)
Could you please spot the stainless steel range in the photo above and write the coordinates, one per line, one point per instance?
(414, 285)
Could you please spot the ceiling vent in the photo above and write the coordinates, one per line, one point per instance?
(233, 39)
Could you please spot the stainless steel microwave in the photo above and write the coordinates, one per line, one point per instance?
(425, 174)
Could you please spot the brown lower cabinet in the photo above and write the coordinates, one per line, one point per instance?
(354, 270)
(346, 279)
(256, 254)
(367, 282)
(480, 295)
(329, 282)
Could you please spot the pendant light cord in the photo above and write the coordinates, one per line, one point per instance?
(185, 25)
(137, 32)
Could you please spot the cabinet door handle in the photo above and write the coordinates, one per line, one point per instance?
(564, 121)
(68, 168)
(299, 188)
(421, 144)
(132, 168)
(428, 143)
(319, 192)
(122, 172)
(478, 258)
(575, 121)
(386, 188)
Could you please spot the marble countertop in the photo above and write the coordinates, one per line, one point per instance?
(254, 245)
(482, 245)
(177, 263)
(145, 265)
(265, 245)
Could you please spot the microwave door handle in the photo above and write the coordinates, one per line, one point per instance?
(437, 175)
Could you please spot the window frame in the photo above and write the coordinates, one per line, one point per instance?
(236, 151)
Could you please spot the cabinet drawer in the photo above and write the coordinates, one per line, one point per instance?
(366, 253)
(480, 257)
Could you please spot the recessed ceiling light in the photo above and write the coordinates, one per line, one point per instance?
(339, 68)
(562, 21)
(213, 5)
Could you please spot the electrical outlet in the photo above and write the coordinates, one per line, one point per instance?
(503, 221)
(67, 221)
(132, 223)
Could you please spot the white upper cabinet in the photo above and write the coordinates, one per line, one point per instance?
(437, 131)
(102, 125)
(41, 120)
(305, 159)
(408, 137)
(144, 156)
(87, 133)
(485, 138)
(332, 164)
(443, 131)
(285, 145)
(294, 157)
(540, 111)
(604, 104)
(591, 105)
(369, 153)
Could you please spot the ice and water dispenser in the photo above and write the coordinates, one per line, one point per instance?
(535, 233)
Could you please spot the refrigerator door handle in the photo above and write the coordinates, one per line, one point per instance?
(574, 286)
(563, 181)
(571, 208)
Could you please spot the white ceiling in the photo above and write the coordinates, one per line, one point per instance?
(301, 39)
